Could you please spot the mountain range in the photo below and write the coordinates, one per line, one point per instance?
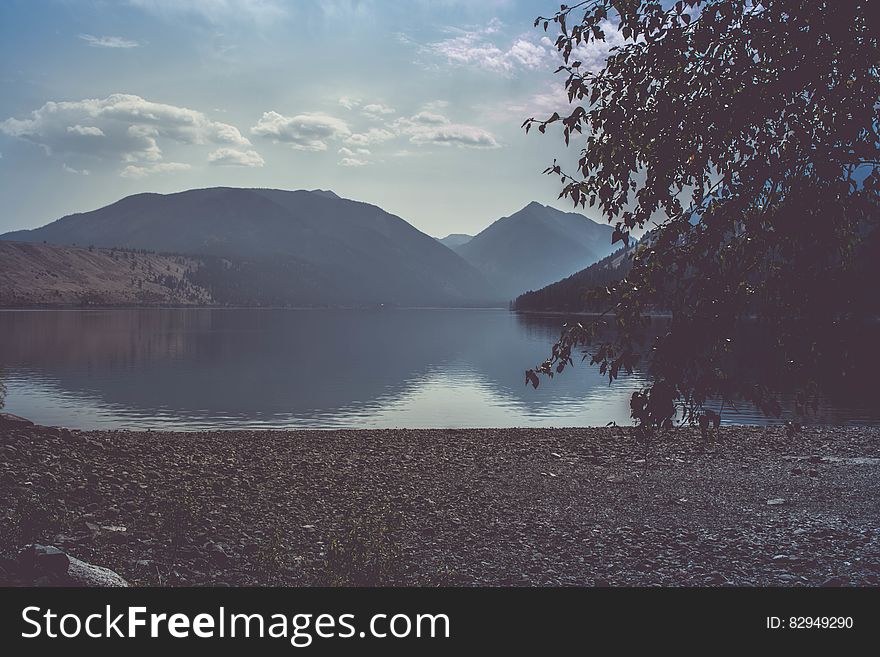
(314, 248)
(534, 247)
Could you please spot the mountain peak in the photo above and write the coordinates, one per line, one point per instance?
(325, 192)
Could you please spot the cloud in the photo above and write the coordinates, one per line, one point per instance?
(69, 169)
(451, 134)
(347, 152)
(352, 162)
(429, 118)
(90, 131)
(480, 49)
(108, 41)
(349, 103)
(119, 127)
(436, 105)
(527, 54)
(431, 128)
(234, 158)
(541, 104)
(377, 110)
(307, 132)
(371, 136)
(593, 54)
(135, 171)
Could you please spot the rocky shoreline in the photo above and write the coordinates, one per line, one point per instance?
(476, 507)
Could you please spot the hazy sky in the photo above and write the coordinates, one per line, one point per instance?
(414, 105)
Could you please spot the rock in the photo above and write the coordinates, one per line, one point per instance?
(834, 581)
(10, 420)
(81, 573)
(46, 565)
(218, 552)
(776, 501)
(42, 560)
(717, 579)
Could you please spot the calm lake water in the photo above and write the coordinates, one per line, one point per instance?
(194, 369)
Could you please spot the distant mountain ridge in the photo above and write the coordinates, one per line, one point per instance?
(455, 240)
(536, 246)
(329, 250)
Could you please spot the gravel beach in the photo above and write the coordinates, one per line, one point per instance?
(475, 507)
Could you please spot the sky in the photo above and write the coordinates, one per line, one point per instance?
(413, 105)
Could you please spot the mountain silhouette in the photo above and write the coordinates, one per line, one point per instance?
(282, 247)
(536, 246)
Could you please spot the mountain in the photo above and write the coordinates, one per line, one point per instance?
(567, 295)
(536, 246)
(269, 246)
(47, 275)
(455, 240)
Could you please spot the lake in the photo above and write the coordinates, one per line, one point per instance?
(194, 369)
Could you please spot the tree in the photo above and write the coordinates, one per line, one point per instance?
(745, 135)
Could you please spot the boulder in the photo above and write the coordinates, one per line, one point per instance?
(85, 574)
(10, 420)
(46, 565)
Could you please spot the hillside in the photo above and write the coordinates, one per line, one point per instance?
(41, 274)
(567, 295)
(455, 240)
(536, 246)
(309, 247)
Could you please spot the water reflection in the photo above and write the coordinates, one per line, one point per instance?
(215, 368)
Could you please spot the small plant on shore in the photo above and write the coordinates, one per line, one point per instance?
(270, 559)
(367, 554)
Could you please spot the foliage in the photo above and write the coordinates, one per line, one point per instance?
(748, 134)
(31, 519)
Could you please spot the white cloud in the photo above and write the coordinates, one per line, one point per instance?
(429, 118)
(593, 54)
(452, 134)
(308, 132)
(70, 169)
(108, 41)
(479, 49)
(528, 54)
(349, 103)
(377, 110)
(553, 98)
(135, 171)
(431, 128)
(236, 158)
(347, 152)
(119, 127)
(371, 136)
(352, 162)
(436, 105)
(91, 131)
